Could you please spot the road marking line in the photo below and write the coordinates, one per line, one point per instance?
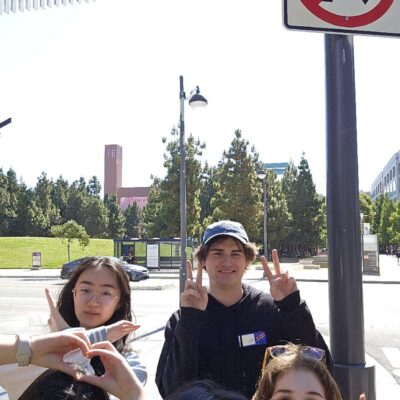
(393, 355)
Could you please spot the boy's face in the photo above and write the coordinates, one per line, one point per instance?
(226, 263)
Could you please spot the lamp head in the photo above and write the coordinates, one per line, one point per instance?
(196, 99)
(261, 175)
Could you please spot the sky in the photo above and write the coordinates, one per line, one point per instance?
(76, 78)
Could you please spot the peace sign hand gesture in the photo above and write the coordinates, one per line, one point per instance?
(195, 295)
(281, 285)
(56, 322)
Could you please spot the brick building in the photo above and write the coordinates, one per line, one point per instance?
(113, 179)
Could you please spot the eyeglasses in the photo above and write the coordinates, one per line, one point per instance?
(104, 298)
(292, 350)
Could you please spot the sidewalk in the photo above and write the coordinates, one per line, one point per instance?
(389, 274)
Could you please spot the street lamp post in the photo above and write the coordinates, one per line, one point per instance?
(263, 177)
(195, 100)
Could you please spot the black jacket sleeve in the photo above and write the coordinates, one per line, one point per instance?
(178, 361)
(297, 319)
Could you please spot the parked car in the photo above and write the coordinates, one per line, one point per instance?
(135, 272)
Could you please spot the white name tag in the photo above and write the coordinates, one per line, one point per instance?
(252, 339)
(248, 340)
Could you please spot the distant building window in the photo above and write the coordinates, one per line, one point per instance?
(390, 175)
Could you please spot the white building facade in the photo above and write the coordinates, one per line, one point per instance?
(388, 181)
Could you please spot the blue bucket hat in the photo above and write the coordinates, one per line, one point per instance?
(225, 228)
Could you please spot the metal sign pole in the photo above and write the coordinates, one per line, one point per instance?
(343, 214)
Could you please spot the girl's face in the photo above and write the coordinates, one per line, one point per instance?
(298, 384)
(96, 297)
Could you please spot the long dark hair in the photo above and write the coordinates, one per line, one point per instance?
(53, 384)
(65, 303)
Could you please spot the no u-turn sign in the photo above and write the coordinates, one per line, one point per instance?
(373, 17)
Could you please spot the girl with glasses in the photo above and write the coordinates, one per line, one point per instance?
(98, 299)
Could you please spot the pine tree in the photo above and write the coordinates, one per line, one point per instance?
(116, 220)
(278, 216)
(289, 189)
(77, 202)
(304, 207)
(207, 192)
(6, 213)
(169, 195)
(47, 213)
(96, 217)
(152, 222)
(133, 220)
(238, 192)
(59, 196)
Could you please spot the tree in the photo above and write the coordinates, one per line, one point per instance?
(322, 225)
(395, 224)
(59, 196)
(278, 216)
(96, 217)
(23, 225)
(366, 207)
(238, 192)
(69, 232)
(307, 214)
(376, 214)
(133, 220)
(116, 220)
(304, 207)
(152, 222)
(77, 202)
(289, 189)
(385, 227)
(93, 187)
(169, 195)
(207, 192)
(6, 213)
(44, 201)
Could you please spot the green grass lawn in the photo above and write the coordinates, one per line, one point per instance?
(16, 252)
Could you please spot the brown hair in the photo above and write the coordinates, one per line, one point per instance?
(281, 365)
(249, 249)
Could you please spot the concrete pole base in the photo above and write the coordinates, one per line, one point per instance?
(355, 379)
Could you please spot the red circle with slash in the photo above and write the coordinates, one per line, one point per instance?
(348, 21)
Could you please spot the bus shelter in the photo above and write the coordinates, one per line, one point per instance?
(156, 253)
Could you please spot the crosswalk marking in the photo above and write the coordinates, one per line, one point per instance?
(393, 355)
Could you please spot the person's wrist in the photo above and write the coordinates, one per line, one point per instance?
(24, 352)
(134, 394)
